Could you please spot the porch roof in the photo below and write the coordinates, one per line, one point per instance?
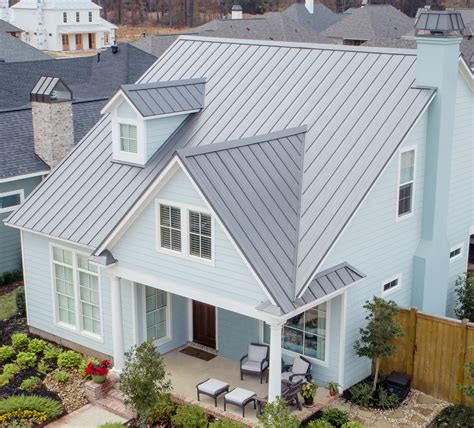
(86, 28)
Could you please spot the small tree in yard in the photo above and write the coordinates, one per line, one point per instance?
(376, 337)
(144, 379)
(277, 415)
(464, 288)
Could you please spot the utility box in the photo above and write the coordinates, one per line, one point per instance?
(398, 384)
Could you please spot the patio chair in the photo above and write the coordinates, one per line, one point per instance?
(255, 361)
(289, 392)
(299, 370)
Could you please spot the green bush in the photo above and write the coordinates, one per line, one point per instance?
(31, 383)
(84, 364)
(6, 352)
(225, 424)
(352, 424)
(319, 423)
(51, 353)
(188, 416)
(26, 359)
(5, 379)
(455, 416)
(52, 408)
(111, 425)
(387, 400)
(277, 415)
(163, 411)
(362, 394)
(20, 301)
(62, 377)
(335, 417)
(37, 346)
(7, 278)
(69, 359)
(20, 341)
(43, 367)
(12, 369)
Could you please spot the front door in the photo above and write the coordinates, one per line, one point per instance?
(204, 324)
(91, 41)
(65, 38)
(78, 42)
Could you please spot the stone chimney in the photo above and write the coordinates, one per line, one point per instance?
(236, 11)
(438, 37)
(53, 130)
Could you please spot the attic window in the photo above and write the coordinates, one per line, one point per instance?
(128, 138)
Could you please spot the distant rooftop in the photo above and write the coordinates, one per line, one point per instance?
(321, 18)
(14, 50)
(6, 27)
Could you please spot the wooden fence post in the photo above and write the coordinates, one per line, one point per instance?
(460, 369)
(411, 342)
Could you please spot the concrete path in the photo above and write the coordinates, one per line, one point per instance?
(89, 416)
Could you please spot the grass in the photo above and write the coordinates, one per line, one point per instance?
(7, 305)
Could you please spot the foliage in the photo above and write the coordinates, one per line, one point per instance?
(352, 424)
(361, 394)
(20, 341)
(51, 353)
(23, 418)
(335, 417)
(69, 359)
(188, 416)
(36, 346)
(308, 390)
(26, 359)
(9, 277)
(52, 408)
(143, 378)
(5, 379)
(333, 387)
(387, 400)
(7, 305)
(83, 366)
(111, 425)
(43, 367)
(464, 288)
(376, 337)
(98, 369)
(225, 424)
(163, 411)
(6, 352)
(62, 377)
(319, 423)
(12, 369)
(20, 301)
(31, 383)
(455, 416)
(277, 415)
(469, 389)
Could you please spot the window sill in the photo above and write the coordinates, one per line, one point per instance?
(391, 291)
(403, 217)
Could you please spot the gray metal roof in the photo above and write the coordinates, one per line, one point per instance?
(358, 105)
(152, 99)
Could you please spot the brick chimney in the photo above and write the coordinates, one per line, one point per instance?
(438, 37)
(53, 130)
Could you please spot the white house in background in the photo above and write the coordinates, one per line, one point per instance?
(62, 25)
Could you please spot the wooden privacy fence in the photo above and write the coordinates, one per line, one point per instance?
(434, 351)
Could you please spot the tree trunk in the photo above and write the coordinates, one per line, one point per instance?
(376, 373)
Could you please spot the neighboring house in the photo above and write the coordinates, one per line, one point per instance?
(13, 49)
(313, 15)
(272, 187)
(22, 166)
(6, 27)
(62, 25)
(369, 22)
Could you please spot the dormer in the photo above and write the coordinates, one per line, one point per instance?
(145, 115)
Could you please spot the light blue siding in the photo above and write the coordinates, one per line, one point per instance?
(10, 245)
(137, 250)
(159, 130)
(126, 111)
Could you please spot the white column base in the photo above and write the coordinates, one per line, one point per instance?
(274, 377)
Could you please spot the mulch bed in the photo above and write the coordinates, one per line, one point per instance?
(15, 324)
(5, 289)
(198, 353)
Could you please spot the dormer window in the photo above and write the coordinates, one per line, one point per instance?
(128, 138)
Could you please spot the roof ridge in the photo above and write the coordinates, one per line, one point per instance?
(163, 84)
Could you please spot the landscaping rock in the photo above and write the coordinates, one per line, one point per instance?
(382, 423)
(71, 392)
(427, 399)
(396, 414)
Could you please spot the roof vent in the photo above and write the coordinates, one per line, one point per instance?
(439, 23)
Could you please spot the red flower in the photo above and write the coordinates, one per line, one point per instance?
(100, 369)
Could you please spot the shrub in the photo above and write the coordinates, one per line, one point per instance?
(111, 425)
(225, 424)
(52, 352)
(20, 341)
(387, 400)
(464, 288)
(12, 369)
(188, 416)
(62, 377)
(31, 383)
(26, 359)
(5, 379)
(335, 417)
(20, 301)
(319, 423)
(6, 352)
(36, 346)
(455, 416)
(361, 394)
(52, 408)
(69, 359)
(163, 411)
(23, 418)
(277, 415)
(7, 278)
(43, 367)
(352, 424)
(83, 366)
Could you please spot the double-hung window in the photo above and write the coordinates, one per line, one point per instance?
(406, 182)
(90, 16)
(88, 275)
(156, 304)
(63, 270)
(78, 17)
(10, 200)
(200, 235)
(170, 227)
(128, 138)
(64, 17)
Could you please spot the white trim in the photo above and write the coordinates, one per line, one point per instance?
(342, 341)
(138, 158)
(24, 273)
(169, 330)
(217, 328)
(176, 113)
(23, 177)
(458, 256)
(402, 217)
(134, 314)
(190, 320)
(20, 192)
(398, 277)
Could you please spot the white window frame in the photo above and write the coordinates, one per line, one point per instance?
(411, 213)
(392, 290)
(20, 192)
(158, 213)
(313, 360)
(122, 137)
(458, 256)
(169, 324)
(138, 158)
(184, 253)
(77, 328)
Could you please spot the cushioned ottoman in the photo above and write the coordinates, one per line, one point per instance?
(240, 397)
(212, 388)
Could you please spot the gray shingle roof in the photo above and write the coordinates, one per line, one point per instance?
(319, 20)
(357, 104)
(6, 27)
(152, 99)
(14, 50)
(371, 22)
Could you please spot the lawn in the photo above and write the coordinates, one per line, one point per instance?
(7, 305)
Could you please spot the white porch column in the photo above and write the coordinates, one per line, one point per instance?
(274, 377)
(117, 323)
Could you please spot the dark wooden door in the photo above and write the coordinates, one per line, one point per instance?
(204, 324)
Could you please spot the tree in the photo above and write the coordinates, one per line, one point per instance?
(376, 338)
(277, 415)
(464, 288)
(144, 379)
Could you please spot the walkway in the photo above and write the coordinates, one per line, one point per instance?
(89, 416)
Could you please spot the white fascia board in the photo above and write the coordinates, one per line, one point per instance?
(23, 177)
(113, 103)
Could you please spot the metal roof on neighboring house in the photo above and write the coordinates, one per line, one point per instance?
(153, 99)
(358, 104)
(321, 18)
(13, 49)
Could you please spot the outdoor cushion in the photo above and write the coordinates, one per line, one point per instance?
(254, 366)
(286, 376)
(211, 386)
(299, 366)
(239, 395)
(257, 353)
